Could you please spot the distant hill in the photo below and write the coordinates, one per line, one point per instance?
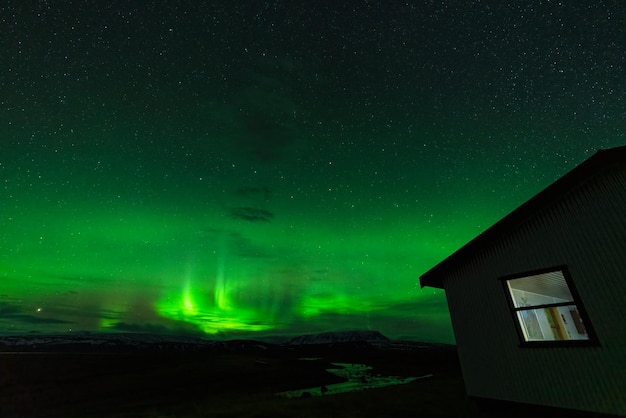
(136, 342)
(370, 337)
(101, 342)
(124, 342)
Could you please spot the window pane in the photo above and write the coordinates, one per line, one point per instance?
(552, 324)
(539, 289)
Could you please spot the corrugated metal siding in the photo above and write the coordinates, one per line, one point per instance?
(587, 232)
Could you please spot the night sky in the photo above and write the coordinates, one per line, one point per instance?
(247, 168)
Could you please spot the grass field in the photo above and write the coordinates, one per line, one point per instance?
(225, 385)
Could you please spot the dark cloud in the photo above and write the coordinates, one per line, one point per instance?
(7, 309)
(251, 214)
(254, 192)
(83, 278)
(236, 242)
(187, 329)
(13, 312)
(35, 319)
(245, 247)
(123, 326)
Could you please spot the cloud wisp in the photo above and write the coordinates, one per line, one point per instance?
(251, 214)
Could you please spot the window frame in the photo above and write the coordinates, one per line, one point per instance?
(576, 301)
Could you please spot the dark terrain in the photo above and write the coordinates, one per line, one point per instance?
(225, 379)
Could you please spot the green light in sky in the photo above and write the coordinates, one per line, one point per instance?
(213, 310)
(296, 187)
(340, 303)
(188, 304)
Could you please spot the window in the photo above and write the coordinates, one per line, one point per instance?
(546, 307)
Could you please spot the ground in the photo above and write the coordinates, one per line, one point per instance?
(226, 384)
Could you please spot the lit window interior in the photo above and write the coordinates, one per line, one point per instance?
(546, 309)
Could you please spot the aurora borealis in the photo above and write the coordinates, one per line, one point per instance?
(248, 169)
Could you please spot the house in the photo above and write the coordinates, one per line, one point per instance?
(538, 300)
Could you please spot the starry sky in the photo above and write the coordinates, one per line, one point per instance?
(257, 168)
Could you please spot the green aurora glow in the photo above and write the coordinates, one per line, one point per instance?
(166, 171)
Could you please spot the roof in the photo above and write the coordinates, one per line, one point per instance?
(599, 162)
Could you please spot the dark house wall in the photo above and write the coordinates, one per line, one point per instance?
(584, 229)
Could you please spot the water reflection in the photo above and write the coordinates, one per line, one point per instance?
(358, 377)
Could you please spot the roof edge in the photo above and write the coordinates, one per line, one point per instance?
(597, 163)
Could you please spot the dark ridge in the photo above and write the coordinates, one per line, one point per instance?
(370, 337)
